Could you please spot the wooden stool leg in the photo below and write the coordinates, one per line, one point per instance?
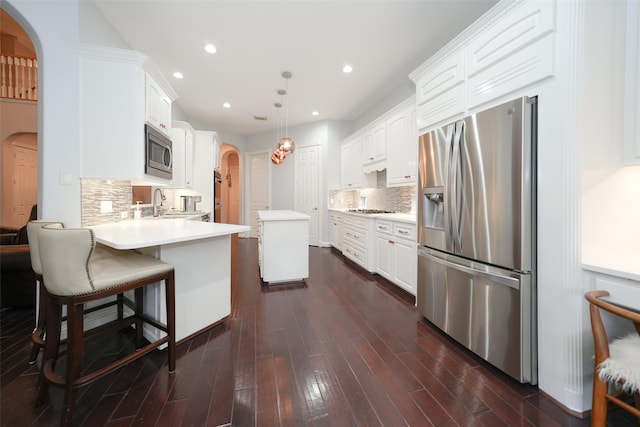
(75, 345)
(120, 304)
(53, 325)
(37, 341)
(170, 291)
(138, 301)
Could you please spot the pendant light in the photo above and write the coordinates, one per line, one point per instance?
(285, 143)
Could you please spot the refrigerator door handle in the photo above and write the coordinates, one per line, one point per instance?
(456, 211)
(496, 277)
(449, 186)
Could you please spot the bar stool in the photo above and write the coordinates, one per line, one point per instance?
(37, 336)
(617, 362)
(75, 274)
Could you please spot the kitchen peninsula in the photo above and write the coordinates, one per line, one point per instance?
(201, 255)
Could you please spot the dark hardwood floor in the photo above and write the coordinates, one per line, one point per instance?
(344, 349)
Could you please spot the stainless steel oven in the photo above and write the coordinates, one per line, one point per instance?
(159, 161)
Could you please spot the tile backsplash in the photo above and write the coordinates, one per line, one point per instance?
(119, 194)
(96, 191)
(396, 199)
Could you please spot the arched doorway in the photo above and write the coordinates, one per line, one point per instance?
(230, 191)
(18, 123)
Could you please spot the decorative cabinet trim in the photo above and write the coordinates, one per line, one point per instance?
(529, 65)
(531, 21)
(511, 47)
(442, 77)
(442, 107)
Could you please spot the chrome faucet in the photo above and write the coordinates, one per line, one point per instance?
(156, 208)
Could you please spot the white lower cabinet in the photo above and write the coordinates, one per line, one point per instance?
(396, 253)
(335, 230)
(357, 237)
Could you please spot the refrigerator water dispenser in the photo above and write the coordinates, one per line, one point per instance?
(433, 208)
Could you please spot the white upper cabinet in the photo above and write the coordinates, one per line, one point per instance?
(440, 93)
(490, 59)
(387, 143)
(510, 54)
(216, 152)
(374, 144)
(351, 163)
(158, 106)
(402, 147)
(182, 135)
(112, 112)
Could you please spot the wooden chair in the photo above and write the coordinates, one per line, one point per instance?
(74, 274)
(617, 362)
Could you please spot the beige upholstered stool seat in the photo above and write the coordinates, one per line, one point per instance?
(75, 272)
(108, 268)
(37, 336)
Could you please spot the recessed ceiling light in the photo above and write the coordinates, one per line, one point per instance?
(226, 105)
(347, 69)
(210, 48)
(315, 113)
(178, 75)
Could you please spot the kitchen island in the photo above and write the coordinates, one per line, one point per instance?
(283, 246)
(201, 255)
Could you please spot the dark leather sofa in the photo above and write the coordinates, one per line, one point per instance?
(17, 279)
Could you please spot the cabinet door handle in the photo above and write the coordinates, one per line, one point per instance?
(391, 241)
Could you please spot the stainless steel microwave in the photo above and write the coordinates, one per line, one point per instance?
(158, 153)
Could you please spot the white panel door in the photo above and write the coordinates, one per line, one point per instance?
(258, 187)
(25, 184)
(307, 187)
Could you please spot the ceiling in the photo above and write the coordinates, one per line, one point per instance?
(257, 40)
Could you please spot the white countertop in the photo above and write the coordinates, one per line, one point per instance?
(282, 215)
(625, 264)
(133, 234)
(409, 218)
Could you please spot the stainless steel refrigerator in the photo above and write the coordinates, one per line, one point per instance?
(477, 234)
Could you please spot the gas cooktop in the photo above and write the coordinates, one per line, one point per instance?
(369, 211)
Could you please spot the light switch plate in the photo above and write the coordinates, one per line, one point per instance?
(66, 177)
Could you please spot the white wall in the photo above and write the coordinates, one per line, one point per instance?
(94, 29)
(282, 183)
(53, 28)
(386, 103)
(338, 131)
(611, 191)
(585, 196)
